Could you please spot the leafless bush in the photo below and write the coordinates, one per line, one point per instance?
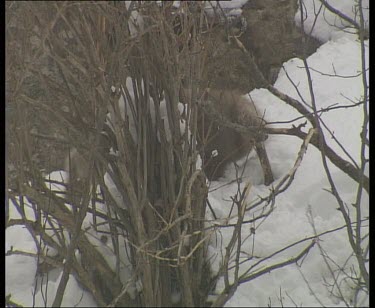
(82, 57)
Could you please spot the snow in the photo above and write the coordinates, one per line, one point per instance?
(327, 25)
(21, 271)
(290, 220)
(233, 4)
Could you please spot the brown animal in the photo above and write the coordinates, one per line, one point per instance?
(221, 145)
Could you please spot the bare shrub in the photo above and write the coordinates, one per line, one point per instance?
(86, 59)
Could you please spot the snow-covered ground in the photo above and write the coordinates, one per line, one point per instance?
(289, 222)
(293, 285)
(305, 285)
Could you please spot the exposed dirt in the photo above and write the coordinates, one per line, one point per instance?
(271, 36)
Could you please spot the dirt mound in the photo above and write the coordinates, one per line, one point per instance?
(272, 38)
